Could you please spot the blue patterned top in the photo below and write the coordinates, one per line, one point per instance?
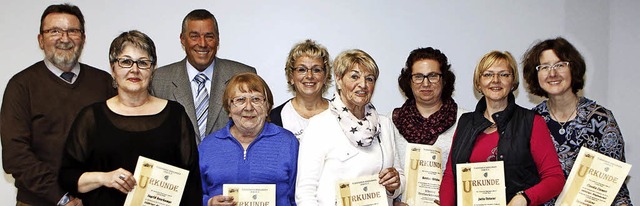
(271, 158)
(595, 128)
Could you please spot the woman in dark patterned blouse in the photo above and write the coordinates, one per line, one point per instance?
(555, 69)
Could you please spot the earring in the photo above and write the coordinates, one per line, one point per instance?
(114, 84)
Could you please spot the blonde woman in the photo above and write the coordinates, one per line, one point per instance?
(500, 130)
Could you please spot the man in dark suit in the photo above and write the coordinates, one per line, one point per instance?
(41, 102)
(198, 81)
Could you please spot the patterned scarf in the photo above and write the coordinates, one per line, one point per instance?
(361, 132)
(417, 129)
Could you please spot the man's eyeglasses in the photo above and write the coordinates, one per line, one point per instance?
(559, 67)
(58, 32)
(501, 76)
(301, 71)
(256, 101)
(128, 63)
(432, 78)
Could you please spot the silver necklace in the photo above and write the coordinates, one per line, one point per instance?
(562, 131)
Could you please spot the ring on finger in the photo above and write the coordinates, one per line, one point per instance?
(122, 176)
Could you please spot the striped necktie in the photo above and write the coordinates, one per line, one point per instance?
(202, 104)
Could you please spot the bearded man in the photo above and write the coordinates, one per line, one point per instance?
(40, 104)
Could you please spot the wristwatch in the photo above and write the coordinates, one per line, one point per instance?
(64, 200)
(521, 192)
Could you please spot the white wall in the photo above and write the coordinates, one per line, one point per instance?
(623, 77)
(260, 33)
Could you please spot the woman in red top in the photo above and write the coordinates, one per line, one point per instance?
(500, 130)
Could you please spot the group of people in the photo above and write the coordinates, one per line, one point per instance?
(72, 134)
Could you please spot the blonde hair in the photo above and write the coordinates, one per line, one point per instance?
(493, 58)
(350, 58)
(311, 49)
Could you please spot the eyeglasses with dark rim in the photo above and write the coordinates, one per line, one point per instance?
(58, 32)
(301, 70)
(241, 101)
(501, 75)
(560, 66)
(432, 78)
(126, 63)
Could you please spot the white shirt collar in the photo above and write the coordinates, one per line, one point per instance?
(55, 70)
(192, 71)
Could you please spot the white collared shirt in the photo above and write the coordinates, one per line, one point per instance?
(55, 70)
(192, 72)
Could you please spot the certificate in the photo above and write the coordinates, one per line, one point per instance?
(423, 169)
(481, 183)
(361, 191)
(158, 184)
(251, 194)
(595, 179)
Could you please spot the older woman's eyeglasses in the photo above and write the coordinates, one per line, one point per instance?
(559, 67)
(128, 63)
(301, 71)
(431, 77)
(256, 101)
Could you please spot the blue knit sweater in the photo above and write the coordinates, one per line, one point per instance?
(270, 159)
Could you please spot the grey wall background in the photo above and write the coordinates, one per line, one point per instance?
(260, 33)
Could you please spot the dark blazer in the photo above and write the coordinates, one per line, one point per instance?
(172, 82)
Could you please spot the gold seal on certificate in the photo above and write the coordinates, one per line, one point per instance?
(481, 183)
(158, 184)
(251, 194)
(364, 190)
(423, 169)
(595, 179)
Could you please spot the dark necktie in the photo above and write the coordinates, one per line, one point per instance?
(67, 76)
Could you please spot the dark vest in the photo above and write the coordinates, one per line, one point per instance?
(514, 128)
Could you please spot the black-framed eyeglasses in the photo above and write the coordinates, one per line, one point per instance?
(301, 70)
(560, 66)
(58, 32)
(432, 78)
(241, 101)
(128, 63)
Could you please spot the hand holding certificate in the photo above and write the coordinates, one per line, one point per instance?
(423, 169)
(361, 191)
(481, 183)
(595, 179)
(159, 184)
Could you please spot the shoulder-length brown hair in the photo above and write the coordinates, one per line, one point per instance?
(565, 52)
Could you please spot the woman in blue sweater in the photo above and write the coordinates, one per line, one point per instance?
(249, 150)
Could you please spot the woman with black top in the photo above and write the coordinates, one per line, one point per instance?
(501, 130)
(107, 138)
